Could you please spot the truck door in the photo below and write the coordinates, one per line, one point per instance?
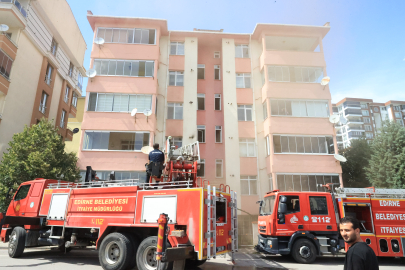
(293, 217)
(19, 203)
(34, 200)
(320, 213)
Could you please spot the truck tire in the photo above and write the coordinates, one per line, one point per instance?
(304, 251)
(116, 252)
(135, 245)
(145, 257)
(16, 243)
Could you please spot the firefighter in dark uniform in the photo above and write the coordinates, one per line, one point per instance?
(156, 161)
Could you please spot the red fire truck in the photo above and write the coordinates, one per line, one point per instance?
(120, 218)
(305, 224)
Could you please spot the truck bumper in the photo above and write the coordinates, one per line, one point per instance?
(269, 245)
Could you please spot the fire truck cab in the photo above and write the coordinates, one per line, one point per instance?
(305, 224)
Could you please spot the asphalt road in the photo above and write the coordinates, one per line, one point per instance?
(44, 258)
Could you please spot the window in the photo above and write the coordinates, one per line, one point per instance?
(267, 205)
(129, 68)
(177, 48)
(399, 121)
(217, 54)
(267, 145)
(242, 51)
(115, 141)
(176, 78)
(318, 205)
(304, 182)
(62, 119)
(71, 67)
(365, 112)
(201, 168)
(383, 109)
(364, 105)
(66, 98)
(178, 142)
(265, 110)
(54, 47)
(217, 102)
(242, 80)
(79, 80)
(398, 114)
(5, 64)
(299, 108)
(22, 192)
(218, 134)
(8, 35)
(247, 148)
(218, 168)
(368, 128)
(366, 120)
(200, 101)
(119, 175)
(42, 104)
(248, 185)
(303, 144)
(293, 204)
(397, 108)
(201, 134)
(200, 71)
(108, 102)
(217, 72)
(369, 135)
(175, 111)
(124, 35)
(74, 100)
(295, 74)
(48, 75)
(244, 112)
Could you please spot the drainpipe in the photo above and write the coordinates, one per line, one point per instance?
(165, 97)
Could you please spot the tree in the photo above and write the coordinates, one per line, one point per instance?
(36, 152)
(387, 163)
(353, 171)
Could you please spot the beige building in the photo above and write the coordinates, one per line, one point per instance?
(73, 123)
(41, 66)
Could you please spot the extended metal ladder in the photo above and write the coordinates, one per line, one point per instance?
(211, 234)
(234, 224)
(372, 192)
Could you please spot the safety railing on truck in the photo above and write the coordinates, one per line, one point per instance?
(370, 192)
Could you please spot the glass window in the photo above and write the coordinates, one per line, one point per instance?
(123, 35)
(176, 78)
(218, 168)
(200, 101)
(303, 144)
(200, 71)
(122, 141)
(318, 205)
(217, 72)
(201, 134)
(218, 134)
(295, 74)
(245, 112)
(243, 80)
(124, 68)
(175, 111)
(54, 47)
(217, 102)
(201, 169)
(365, 112)
(248, 185)
(264, 109)
(293, 204)
(242, 51)
(247, 147)
(42, 104)
(267, 207)
(22, 192)
(217, 54)
(177, 48)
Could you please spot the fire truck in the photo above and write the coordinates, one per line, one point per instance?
(120, 217)
(304, 225)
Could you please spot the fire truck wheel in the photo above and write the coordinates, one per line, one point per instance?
(16, 244)
(115, 252)
(135, 245)
(146, 258)
(304, 251)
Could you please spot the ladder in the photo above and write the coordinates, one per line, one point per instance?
(234, 224)
(211, 234)
(372, 192)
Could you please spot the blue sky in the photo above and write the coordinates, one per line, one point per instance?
(364, 50)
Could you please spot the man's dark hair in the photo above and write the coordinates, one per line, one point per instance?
(354, 221)
(156, 146)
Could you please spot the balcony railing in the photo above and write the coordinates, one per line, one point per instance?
(353, 111)
(351, 104)
(356, 134)
(18, 6)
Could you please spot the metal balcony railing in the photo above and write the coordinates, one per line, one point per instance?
(18, 6)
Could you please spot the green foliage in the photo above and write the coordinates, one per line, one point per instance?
(387, 163)
(353, 171)
(37, 152)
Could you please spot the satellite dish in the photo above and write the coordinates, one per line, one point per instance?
(146, 149)
(75, 130)
(325, 80)
(334, 118)
(343, 120)
(99, 41)
(134, 111)
(147, 112)
(340, 158)
(4, 27)
(91, 73)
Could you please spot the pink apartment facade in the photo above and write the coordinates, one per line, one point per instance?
(254, 102)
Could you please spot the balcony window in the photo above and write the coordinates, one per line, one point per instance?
(355, 134)
(352, 104)
(66, 97)
(217, 72)
(218, 134)
(127, 35)
(247, 148)
(398, 114)
(200, 71)
(201, 168)
(71, 67)
(242, 80)
(74, 100)
(177, 141)
(364, 105)
(303, 144)
(305, 182)
(219, 167)
(397, 108)
(248, 185)
(242, 51)
(42, 104)
(353, 112)
(217, 54)
(368, 128)
(115, 141)
(369, 135)
(48, 76)
(175, 111)
(365, 112)
(366, 120)
(295, 74)
(201, 134)
(176, 78)
(299, 108)
(54, 47)
(79, 80)
(267, 146)
(62, 119)
(244, 112)
(400, 121)
(217, 102)
(127, 68)
(108, 102)
(176, 48)
(264, 110)
(200, 101)
(5, 64)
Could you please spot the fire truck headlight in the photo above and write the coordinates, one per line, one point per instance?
(269, 242)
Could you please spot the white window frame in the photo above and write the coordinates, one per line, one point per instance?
(54, 47)
(217, 54)
(267, 145)
(219, 162)
(307, 136)
(42, 103)
(176, 43)
(217, 67)
(364, 105)
(217, 96)
(176, 74)
(125, 61)
(127, 29)
(317, 175)
(200, 96)
(6, 64)
(265, 114)
(48, 75)
(175, 105)
(368, 128)
(245, 109)
(310, 105)
(199, 67)
(250, 144)
(115, 131)
(201, 128)
(74, 99)
(66, 97)
(400, 121)
(367, 120)
(62, 119)
(303, 72)
(218, 128)
(365, 112)
(178, 140)
(369, 135)
(71, 68)
(201, 161)
(398, 114)
(112, 105)
(249, 178)
(241, 47)
(244, 76)
(397, 108)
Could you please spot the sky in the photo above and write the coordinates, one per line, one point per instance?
(364, 49)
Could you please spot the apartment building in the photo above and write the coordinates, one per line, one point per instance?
(363, 117)
(253, 101)
(76, 123)
(41, 66)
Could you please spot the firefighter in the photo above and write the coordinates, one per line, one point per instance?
(155, 165)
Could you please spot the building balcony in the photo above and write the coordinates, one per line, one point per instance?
(72, 111)
(69, 134)
(4, 85)
(351, 104)
(355, 134)
(8, 46)
(13, 13)
(127, 51)
(292, 58)
(352, 113)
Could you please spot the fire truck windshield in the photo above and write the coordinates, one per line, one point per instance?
(267, 206)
